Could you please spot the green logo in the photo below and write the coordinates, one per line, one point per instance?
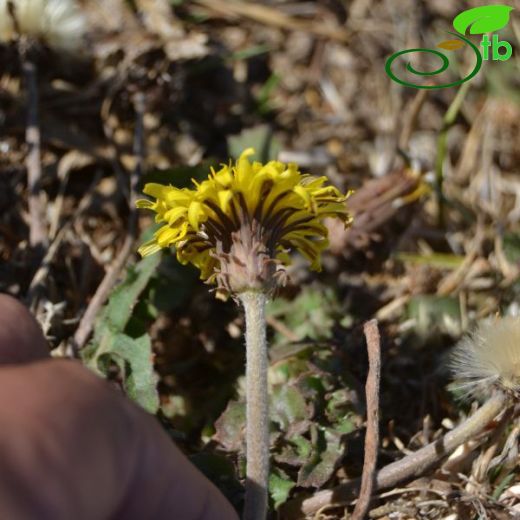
(479, 20)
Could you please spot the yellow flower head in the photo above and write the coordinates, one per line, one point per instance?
(238, 226)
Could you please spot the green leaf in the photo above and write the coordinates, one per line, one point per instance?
(311, 315)
(433, 314)
(229, 428)
(339, 409)
(439, 260)
(134, 358)
(295, 451)
(120, 305)
(111, 341)
(141, 379)
(288, 406)
(502, 485)
(181, 176)
(311, 386)
(280, 486)
(263, 99)
(250, 52)
(512, 247)
(346, 424)
(327, 452)
(303, 446)
(484, 19)
(260, 138)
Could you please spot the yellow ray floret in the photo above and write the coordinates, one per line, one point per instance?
(269, 208)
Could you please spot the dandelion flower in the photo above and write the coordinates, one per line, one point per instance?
(489, 359)
(59, 24)
(238, 226)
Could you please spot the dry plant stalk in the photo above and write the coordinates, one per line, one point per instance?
(37, 217)
(275, 17)
(372, 434)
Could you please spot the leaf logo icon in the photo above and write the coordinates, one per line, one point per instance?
(480, 20)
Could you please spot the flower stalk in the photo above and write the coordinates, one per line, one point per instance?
(257, 406)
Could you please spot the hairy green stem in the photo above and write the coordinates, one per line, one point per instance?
(411, 465)
(257, 407)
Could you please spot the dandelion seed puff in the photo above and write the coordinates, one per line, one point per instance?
(60, 24)
(6, 24)
(488, 359)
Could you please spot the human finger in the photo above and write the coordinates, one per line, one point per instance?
(21, 339)
(72, 447)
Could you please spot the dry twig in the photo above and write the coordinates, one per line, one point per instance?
(37, 228)
(372, 433)
(411, 117)
(274, 17)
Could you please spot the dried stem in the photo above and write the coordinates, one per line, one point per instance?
(86, 323)
(271, 16)
(43, 269)
(411, 116)
(421, 460)
(372, 434)
(257, 415)
(37, 228)
(411, 465)
(37, 283)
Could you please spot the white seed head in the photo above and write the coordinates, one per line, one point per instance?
(60, 24)
(6, 30)
(489, 359)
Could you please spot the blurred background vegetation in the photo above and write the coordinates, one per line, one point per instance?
(435, 245)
